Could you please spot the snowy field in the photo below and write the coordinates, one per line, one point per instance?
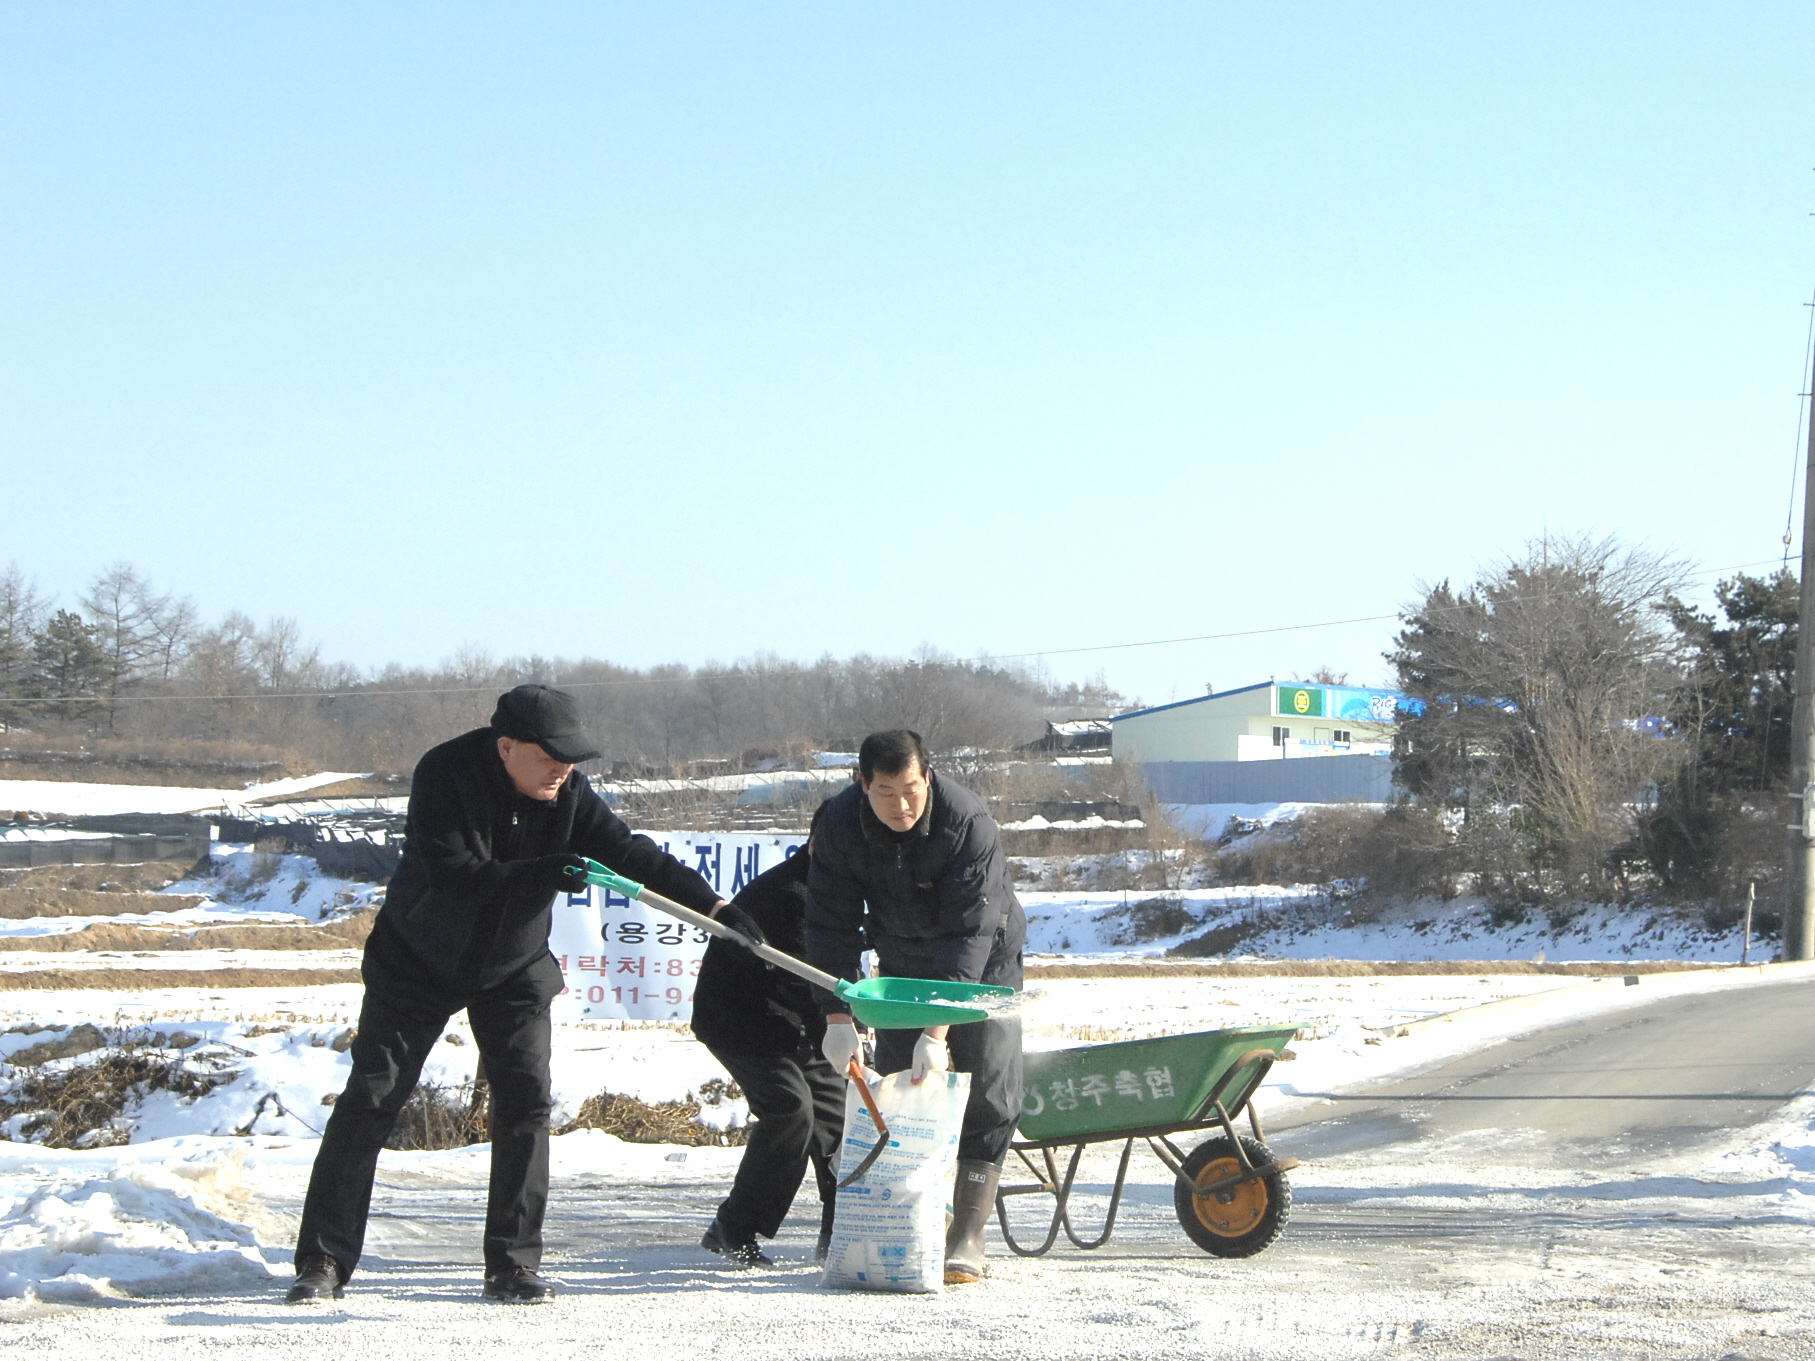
(1291, 922)
(282, 1040)
(174, 1228)
(1261, 921)
(239, 887)
(181, 1237)
(76, 798)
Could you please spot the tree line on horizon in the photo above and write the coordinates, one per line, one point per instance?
(133, 665)
(1584, 733)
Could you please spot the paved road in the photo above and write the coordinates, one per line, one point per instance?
(1653, 1080)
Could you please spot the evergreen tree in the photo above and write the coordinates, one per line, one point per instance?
(1537, 688)
(1731, 711)
(21, 611)
(73, 668)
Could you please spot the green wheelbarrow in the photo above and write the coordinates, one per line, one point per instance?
(1231, 1194)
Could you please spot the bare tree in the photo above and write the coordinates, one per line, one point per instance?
(116, 602)
(22, 610)
(222, 660)
(284, 659)
(170, 625)
(1534, 685)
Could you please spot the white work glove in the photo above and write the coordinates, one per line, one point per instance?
(841, 1045)
(930, 1056)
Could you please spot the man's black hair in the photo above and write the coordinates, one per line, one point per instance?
(891, 753)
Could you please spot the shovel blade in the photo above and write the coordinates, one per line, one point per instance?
(915, 1003)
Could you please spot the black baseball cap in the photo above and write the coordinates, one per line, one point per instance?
(546, 716)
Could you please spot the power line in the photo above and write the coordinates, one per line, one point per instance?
(369, 693)
(1796, 448)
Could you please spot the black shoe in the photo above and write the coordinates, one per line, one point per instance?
(317, 1278)
(518, 1285)
(738, 1254)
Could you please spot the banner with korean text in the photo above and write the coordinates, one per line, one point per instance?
(626, 962)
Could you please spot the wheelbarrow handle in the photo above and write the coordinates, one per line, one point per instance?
(630, 888)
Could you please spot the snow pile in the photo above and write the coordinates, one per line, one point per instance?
(1211, 820)
(1093, 823)
(1779, 1159)
(136, 1227)
(240, 883)
(74, 798)
(278, 1076)
(1302, 921)
(238, 886)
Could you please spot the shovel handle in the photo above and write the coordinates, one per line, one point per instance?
(630, 888)
(855, 1073)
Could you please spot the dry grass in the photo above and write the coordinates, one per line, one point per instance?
(1402, 851)
(663, 1122)
(1153, 919)
(349, 933)
(1356, 968)
(145, 980)
(82, 1105)
(363, 787)
(443, 1117)
(18, 904)
(101, 876)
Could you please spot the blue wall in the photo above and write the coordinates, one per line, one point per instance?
(1315, 779)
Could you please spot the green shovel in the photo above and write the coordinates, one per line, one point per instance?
(881, 1003)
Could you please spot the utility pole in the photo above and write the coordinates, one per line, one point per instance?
(1799, 905)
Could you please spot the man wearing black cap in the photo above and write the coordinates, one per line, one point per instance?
(498, 823)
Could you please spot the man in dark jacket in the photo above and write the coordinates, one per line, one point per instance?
(763, 1024)
(498, 822)
(925, 858)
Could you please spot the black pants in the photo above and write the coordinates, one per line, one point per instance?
(399, 1022)
(798, 1100)
(990, 1051)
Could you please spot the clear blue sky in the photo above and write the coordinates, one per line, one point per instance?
(675, 333)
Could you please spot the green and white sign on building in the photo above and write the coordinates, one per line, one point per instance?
(1348, 703)
(1300, 701)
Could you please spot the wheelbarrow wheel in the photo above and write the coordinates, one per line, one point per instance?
(1237, 1221)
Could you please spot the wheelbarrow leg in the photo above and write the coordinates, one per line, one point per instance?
(1059, 1188)
(1115, 1202)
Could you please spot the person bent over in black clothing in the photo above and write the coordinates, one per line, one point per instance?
(912, 865)
(498, 821)
(764, 1026)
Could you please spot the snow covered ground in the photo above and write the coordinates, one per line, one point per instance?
(1291, 922)
(188, 1224)
(1255, 921)
(1211, 820)
(76, 798)
(203, 1198)
(240, 886)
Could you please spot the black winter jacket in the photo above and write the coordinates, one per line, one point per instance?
(939, 898)
(468, 900)
(740, 1004)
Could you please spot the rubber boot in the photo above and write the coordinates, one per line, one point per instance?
(973, 1201)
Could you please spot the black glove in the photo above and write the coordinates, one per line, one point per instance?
(742, 922)
(561, 873)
